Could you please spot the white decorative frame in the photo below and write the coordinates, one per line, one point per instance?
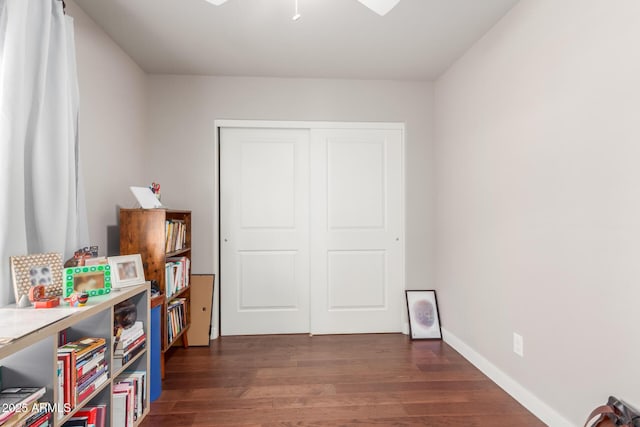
(424, 319)
(126, 270)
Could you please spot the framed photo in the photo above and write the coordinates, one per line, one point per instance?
(424, 319)
(93, 279)
(127, 270)
(37, 269)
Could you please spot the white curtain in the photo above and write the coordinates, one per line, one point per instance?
(41, 203)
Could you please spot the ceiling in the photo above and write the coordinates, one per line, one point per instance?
(417, 40)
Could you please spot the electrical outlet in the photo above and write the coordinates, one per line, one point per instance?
(518, 344)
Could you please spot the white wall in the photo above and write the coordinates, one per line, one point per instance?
(537, 148)
(183, 110)
(112, 125)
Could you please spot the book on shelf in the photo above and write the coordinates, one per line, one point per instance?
(91, 377)
(175, 235)
(126, 331)
(89, 364)
(91, 414)
(28, 416)
(119, 410)
(123, 405)
(93, 386)
(176, 317)
(17, 400)
(41, 418)
(85, 368)
(120, 361)
(126, 348)
(77, 421)
(96, 415)
(127, 354)
(137, 380)
(123, 336)
(84, 347)
(132, 330)
(129, 343)
(68, 378)
(60, 379)
(62, 338)
(176, 274)
(127, 336)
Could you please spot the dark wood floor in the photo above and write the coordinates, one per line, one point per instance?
(337, 380)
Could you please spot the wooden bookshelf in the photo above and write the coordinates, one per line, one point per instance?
(144, 232)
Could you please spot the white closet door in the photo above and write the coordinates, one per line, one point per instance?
(356, 231)
(264, 222)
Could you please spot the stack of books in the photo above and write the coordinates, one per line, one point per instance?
(20, 407)
(176, 317)
(84, 369)
(175, 235)
(89, 416)
(177, 274)
(128, 344)
(133, 385)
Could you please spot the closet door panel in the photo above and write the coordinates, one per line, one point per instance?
(264, 218)
(356, 231)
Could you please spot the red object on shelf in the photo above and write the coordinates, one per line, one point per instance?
(47, 302)
(36, 293)
(36, 296)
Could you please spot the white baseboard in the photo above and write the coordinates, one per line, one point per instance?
(405, 328)
(527, 399)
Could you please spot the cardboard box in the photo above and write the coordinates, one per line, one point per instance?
(202, 286)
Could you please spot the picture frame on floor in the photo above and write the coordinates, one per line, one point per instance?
(424, 318)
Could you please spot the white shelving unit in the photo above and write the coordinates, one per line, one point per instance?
(29, 358)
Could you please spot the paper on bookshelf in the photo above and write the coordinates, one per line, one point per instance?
(145, 197)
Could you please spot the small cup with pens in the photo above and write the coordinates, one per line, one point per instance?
(155, 189)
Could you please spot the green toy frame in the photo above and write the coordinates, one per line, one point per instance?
(93, 279)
